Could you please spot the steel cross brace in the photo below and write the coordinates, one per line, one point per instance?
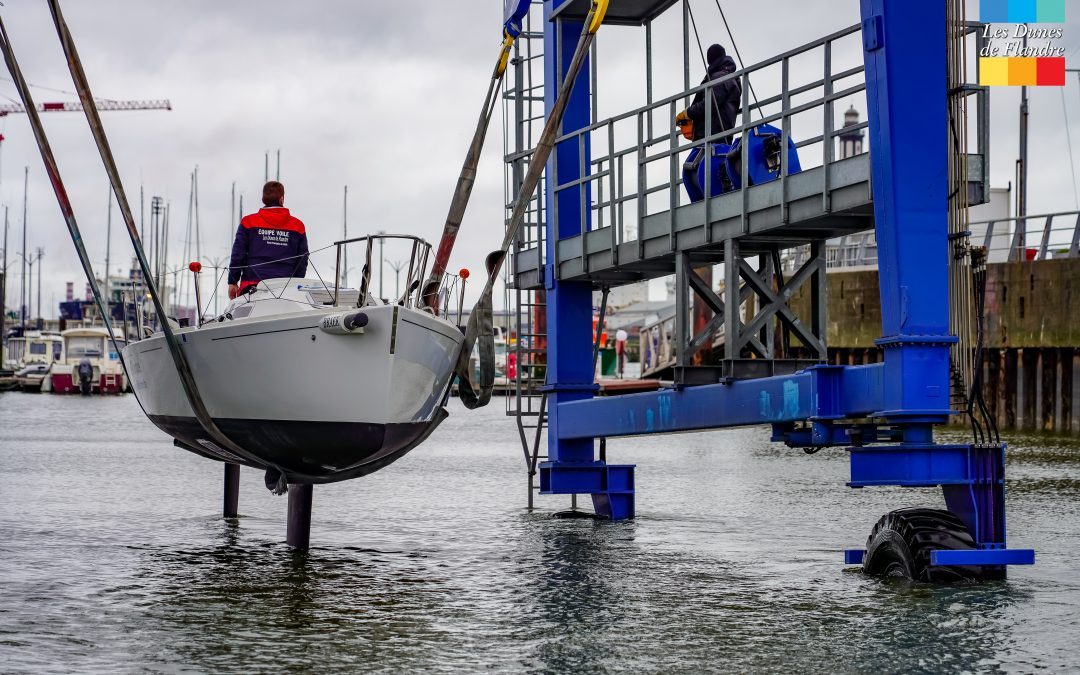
(777, 303)
(685, 274)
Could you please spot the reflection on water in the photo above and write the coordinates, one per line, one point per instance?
(115, 560)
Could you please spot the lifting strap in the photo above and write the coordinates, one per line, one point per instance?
(53, 170)
(466, 179)
(480, 330)
(183, 369)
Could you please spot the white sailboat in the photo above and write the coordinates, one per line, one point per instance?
(319, 382)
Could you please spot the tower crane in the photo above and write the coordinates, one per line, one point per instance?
(76, 106)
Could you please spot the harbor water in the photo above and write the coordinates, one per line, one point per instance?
(115, 559)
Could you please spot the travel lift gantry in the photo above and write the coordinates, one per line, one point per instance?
(884, 413)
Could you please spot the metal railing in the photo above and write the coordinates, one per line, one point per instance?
(1058, 236)
(418, 261)
(1049, 236)
(635, 173)
(624, 174)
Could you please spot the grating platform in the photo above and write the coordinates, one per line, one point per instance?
(816, 209)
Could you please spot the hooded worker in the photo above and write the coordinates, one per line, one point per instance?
(270, 244)
(725, 100)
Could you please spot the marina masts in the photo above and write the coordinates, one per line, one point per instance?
(108, 256)
(23, 301)
(345, 236)
(40, 255)
(3, 291)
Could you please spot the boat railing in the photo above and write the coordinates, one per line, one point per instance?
(419, 255)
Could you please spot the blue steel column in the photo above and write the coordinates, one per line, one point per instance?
(906, 64)
(569, 303)
(570, 377)
(905, 54)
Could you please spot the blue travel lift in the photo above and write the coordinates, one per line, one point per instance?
(884, 413)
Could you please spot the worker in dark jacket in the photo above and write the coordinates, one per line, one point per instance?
(726, 99)
(270, 244)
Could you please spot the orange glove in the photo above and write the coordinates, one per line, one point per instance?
(685, 125)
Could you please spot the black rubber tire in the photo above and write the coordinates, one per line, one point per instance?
(900, 545)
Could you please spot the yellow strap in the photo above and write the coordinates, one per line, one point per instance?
(504, 57)
(599, 11)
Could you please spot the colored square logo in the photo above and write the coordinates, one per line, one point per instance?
(1023, 72)
(1023, 11)
(994, 11)
(1051, 11)
(1051, 72)
(994, 72)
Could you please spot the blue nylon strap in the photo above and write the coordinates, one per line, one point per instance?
(514, 12)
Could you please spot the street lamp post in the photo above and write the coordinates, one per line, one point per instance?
(397, 267)
(24, 310)
(3, 293)
(24, 301)
(381, 261)
(40, 255)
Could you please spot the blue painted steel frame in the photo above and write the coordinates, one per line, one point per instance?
(572, 468)
(906, 395)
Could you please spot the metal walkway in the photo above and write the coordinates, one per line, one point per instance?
(633, 194)
(814, 213)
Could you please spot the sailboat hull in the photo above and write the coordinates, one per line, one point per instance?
(320, 406)
(308, 452)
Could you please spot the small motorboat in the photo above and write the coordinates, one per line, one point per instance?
(31, 377)
(91, 344)
(317, 382)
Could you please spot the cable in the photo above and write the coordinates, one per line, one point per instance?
(705, 62)
(738, 56)
(697, 37)
(57, 91)
(1072, 161)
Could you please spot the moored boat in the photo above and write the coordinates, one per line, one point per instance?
(317, 382)
(90, 344)
(30, 378)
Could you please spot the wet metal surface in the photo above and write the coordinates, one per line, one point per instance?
(115, 559)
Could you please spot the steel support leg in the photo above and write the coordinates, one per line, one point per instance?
(298, 534)
(572, 468)
(232, 491)
(972, 478)
(981, 503)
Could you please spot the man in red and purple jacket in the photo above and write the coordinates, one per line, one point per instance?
(270, 244)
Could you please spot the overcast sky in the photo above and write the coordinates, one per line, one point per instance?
(364, 94)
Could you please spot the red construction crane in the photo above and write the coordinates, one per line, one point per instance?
(76, 106)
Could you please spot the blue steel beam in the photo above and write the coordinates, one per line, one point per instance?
(905, 59)
(983, 556)
(819, 393)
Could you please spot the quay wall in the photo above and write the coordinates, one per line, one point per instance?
(1032, 350)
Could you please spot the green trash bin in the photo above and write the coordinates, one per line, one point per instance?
(608, 362)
